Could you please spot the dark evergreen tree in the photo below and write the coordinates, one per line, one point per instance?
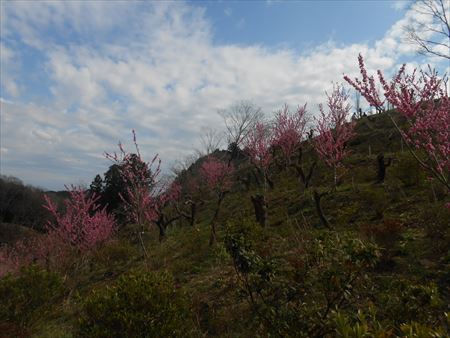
(96, 186)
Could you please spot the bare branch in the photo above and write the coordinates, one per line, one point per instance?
(211, 140)
(431, 36)
(239, 120)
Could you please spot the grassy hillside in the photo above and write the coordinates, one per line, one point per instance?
(382, 269)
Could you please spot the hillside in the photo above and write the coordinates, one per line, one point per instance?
(382, 268)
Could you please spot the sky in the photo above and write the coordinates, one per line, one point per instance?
(78, 76)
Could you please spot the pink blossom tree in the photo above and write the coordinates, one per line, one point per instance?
(83, 224)
(81, 227)
(48, 250)
(141, 183)
(258, 145)
(162, 202)
(334, 130)
(218, 177)
(422, 99)
(189, 197)
(289, 131)
(142, 187)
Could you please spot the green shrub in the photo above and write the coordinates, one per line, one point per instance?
(386, 234)
(32, 292)
(436, 220)
(297, 296)
(402, 301)
(362, 325)
(114, 252)
(408, 171)
(141, 304)
(377, 200)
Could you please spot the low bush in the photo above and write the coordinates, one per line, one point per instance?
(297, 296)
(386, 234)
(376, 200)
(408, 171)
(141, 304)
(27, 295)
(114, 252)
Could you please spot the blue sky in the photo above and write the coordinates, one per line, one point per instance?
(300, 25)
(78, 76)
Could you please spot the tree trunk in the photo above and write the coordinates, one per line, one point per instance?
(212, 237)
(162, 223)
(305, 179)
(260, 205)
(193, 214)
(317, 200)
(335, 176)
(381, 172)
(162, 229)
(270, 182)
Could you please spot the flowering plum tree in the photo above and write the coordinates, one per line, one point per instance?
(218, 176)
(258, 145)
(190, 197)
(144, 194)
(334, 129)
(47, 250)
(289, 131)
(83, 224)
(162, 202)
(422, 99)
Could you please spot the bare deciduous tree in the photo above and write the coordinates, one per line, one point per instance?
(210, 140)
(183, 164)
(239, 119)
(430, 31)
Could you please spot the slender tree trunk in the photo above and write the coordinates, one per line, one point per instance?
(213, 237)
(305, 178)
(317, 200)
(260, 205)
(269, 182)
(335, 176)
(193, 213)
(160, 223)
(381, 172)
(162, 232)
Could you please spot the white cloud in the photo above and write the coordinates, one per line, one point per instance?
(7, 65)
(399, 5)
(152, 67)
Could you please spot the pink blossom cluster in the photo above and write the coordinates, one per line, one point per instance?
(421, 97)
(217, 174)
(140, 178)
(334, 129)
(366, 86)
(145, 195)
(289, 130)
(46, 250)
(83, 224)
(258, 144)
(169, 194)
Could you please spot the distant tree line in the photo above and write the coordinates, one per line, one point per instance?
(21, 204)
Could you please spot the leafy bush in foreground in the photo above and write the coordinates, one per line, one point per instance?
(25, 295)
(142, 304)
